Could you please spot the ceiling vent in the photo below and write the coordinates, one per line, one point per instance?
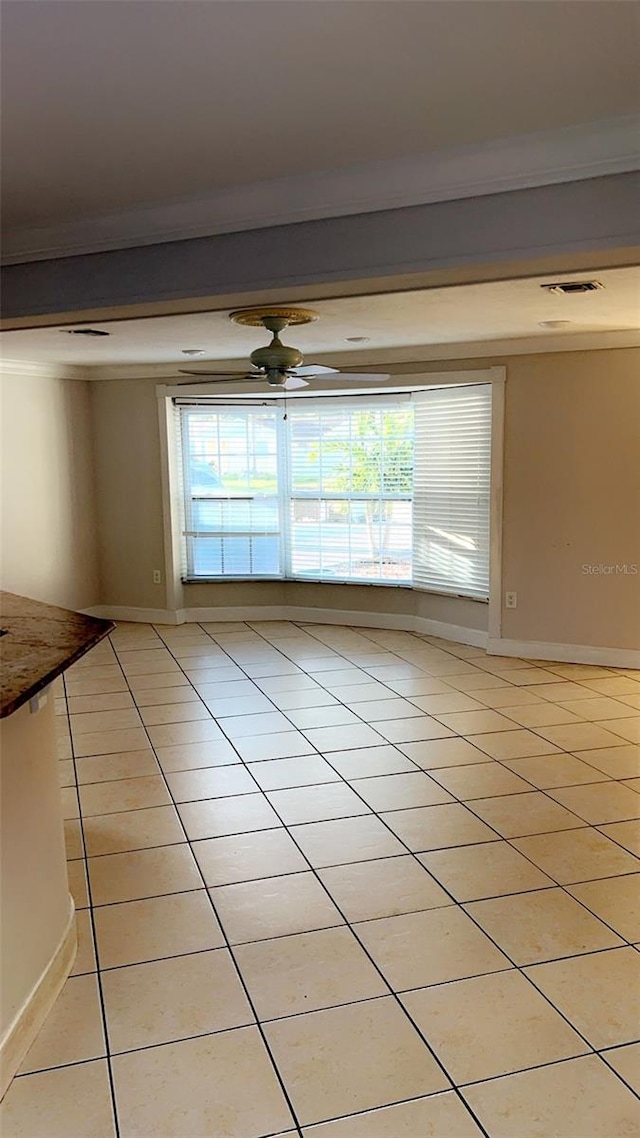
(568, 288)
(85, 332)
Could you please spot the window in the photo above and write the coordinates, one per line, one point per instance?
(386, 489)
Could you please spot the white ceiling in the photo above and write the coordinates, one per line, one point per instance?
(479, 313)
(111, 105)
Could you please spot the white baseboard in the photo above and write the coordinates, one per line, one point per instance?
(27, 1023)
(403, 623)
(565, 653)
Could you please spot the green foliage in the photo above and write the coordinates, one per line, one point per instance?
(378, 457)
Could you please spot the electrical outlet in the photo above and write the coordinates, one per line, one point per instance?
(511, 600)
(157, 577)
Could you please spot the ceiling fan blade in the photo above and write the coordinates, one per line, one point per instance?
(293, 382)
(361, 377)
(313, 369)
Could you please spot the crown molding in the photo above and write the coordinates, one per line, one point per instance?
(524, 161)
(413, 354)
(35, 369)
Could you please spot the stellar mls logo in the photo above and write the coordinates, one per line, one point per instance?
(620, 569)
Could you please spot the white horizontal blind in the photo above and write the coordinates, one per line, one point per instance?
(452, 481)
(231, 491)
(350, 474)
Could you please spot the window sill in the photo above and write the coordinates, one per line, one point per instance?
(408, 587)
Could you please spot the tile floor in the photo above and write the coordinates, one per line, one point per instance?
(343, 883)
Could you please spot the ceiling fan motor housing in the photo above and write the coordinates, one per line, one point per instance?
(276, 356)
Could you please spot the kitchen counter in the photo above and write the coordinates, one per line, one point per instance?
(37, 928)
(37, 644)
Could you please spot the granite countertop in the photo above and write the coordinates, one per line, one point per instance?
(38, 643)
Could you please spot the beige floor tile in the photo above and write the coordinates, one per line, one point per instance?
(435, 753)
(576, 855)
(397, 791)
(306, 972)
(73, 838)
(305, 770)
(250, 725)
(345, 840)
(446, 703)
(580, 736)
(123, 794)
(617, 762)
(66, 772)
(155, 681)
(601, 707)
(327, 739)
(174, 734)
(480, 780)
(287, 683)
(542, 715)
(193, 756)
(128, 764)
(513, 744)
(483, 681)
(158, 927)
(306, 698)
(561, 692)
(247, 857)
(420, 685)
(70, 803)
(633, 784)
(368, 889)
(167, 1000)
(423, 727)
(374, 711)
(72, 1031)
(95, 687)
(516, 815)
(614, 685)
(187, 712)
(283, 745)
(349, 1059)
(97, 721)
(110, 742)
(599, 803)
(534, 927)
(210, 782)
(476, 722)
(85, 960)
(434, 1117)
(62, 1103)
(616, 900)
(456, 948)
(489, 870)
(169, 1091)
(438, 827)
(77, 876)
(318, 803)
(154, 697)
(511, 1027)
(626, 834)
(110, 701)
(630, 701)
(216, 817)
(367, 762)
(509, 697)
(274, 907)
(145, 873)
(611, 1014)
(566, 1100)
(132, 830)
(625, 728)
(332, 716)
(546, 771)
(626, 1061)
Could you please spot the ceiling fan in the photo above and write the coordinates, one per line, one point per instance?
(280, 365)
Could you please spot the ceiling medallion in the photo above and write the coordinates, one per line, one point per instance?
(254, 317)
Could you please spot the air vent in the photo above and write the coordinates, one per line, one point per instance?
(86, 332)
(570, 287)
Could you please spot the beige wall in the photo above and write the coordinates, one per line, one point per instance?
(571, 497)
(49, 548)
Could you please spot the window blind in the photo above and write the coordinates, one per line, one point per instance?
(231, 491)
(350, 473)
(451, 493)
